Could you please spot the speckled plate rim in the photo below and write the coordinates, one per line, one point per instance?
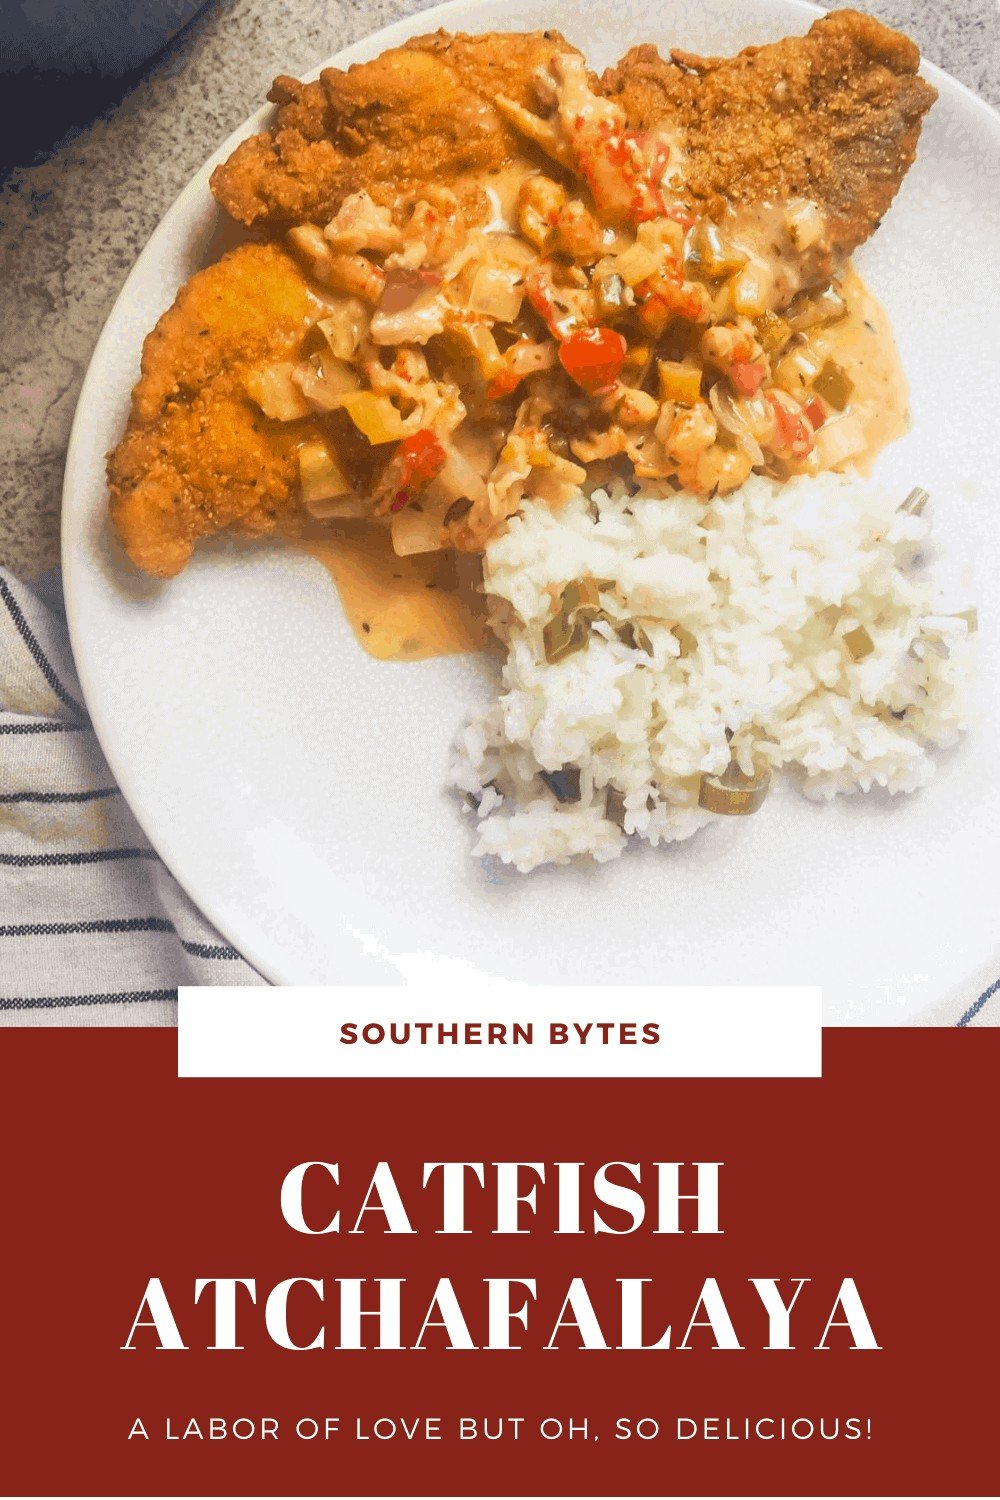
(256, 944)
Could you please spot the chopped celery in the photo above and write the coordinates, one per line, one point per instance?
(834, 385)
(811, 310)
(773, 332)
(858, 643)
(636, 264)
(712, 256)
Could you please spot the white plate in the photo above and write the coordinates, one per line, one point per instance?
(296, 787)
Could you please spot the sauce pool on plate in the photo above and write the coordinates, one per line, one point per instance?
(403, 608)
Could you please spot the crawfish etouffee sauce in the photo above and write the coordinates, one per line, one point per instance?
(403, 608)
(863, 346)
(571, 319)
(428, 604)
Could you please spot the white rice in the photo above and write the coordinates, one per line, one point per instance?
(769, 681)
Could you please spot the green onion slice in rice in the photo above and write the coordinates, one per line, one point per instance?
(564, 784)
(614, 806)
(734, 794)
(858, 643)
(687, 642)
(569, 628)
(915, 501)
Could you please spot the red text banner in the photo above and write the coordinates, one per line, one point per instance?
(819, 1308)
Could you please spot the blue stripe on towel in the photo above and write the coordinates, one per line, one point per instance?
(61, 1002)
(974, 1010)
(80, 857)
(38, 656)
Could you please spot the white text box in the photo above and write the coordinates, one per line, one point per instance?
(501, 1031)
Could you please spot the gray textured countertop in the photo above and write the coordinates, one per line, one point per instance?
(71, 227)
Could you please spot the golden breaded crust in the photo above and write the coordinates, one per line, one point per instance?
(420, 112)
(198, 456)
(833, 116)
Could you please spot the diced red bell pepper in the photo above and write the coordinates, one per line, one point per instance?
(423, 456)
(747, 376)
(815, 411)
(420, 458)
(503, 385)
(594, 358)
(795, 432)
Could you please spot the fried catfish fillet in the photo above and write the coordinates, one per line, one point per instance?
(833, 116)
(198, 456)
(423, 111)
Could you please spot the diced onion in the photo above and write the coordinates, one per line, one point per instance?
(797, 370)
(660, 234)
(345, 326)
(416, 530)
(732, 416)
(750, 290)
(612, 298)
(840, 440)
(636, 264)
(275, 391)
(324, 381)
(320, 476)
(477, 339)
(460, 480)
(804, 222)
(508, 250)
(496, 293)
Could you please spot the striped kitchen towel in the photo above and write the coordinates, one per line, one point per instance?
(93, 929)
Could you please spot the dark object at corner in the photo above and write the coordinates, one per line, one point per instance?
(63, 62)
